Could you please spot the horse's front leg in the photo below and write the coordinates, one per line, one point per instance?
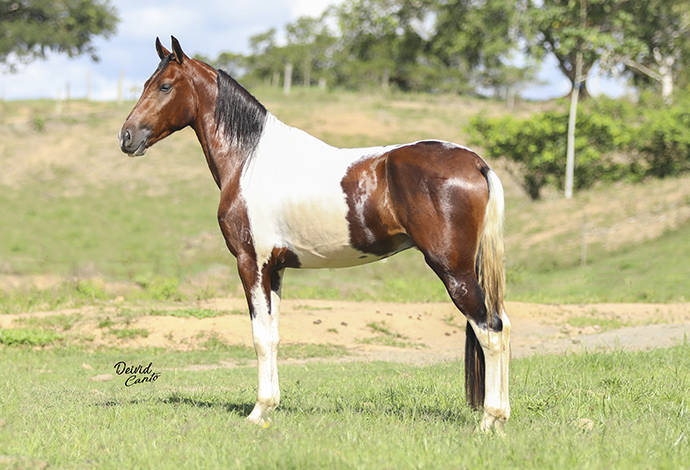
(264, 305)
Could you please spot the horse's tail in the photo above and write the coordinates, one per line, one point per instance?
(490, 274)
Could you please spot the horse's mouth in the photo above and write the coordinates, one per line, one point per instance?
(140, 150)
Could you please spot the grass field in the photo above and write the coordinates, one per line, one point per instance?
(616, 410)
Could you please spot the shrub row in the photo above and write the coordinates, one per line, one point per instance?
(614, 140)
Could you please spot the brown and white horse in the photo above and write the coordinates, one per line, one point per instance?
(289, 200)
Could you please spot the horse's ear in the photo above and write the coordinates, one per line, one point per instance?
(177, 50)
(162, 51)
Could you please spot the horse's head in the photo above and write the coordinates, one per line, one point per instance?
(167, 103)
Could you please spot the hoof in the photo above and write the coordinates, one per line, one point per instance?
(259, 414)
(492, 423)
(259, 420)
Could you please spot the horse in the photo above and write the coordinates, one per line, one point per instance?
(290, 200)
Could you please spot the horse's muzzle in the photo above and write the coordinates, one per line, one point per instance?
(133, 143)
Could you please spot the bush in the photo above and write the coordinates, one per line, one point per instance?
(614, 139)
(538, 144)
(664, 143)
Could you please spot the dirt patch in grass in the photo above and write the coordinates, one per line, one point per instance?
(409, 332)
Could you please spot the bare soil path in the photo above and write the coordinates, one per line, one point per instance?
(405, 332)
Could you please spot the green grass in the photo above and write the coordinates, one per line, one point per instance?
(356, 415)
(649, 272)
(28, 337)
(105, 323)
(62, 322)
(387, 337)
(383, 328)
(311, 308)
(383, 340)
(72, 294)
(122, 234)
(655, 271)
(193, 312)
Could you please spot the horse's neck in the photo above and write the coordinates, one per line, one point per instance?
(227, 156)
(219, 154)
(282, 138)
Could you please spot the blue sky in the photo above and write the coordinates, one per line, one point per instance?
(206, 27)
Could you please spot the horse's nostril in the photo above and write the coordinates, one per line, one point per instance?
(127, 136)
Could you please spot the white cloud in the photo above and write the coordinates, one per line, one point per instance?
(310, 7)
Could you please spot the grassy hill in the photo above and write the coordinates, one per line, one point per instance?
(73, 207)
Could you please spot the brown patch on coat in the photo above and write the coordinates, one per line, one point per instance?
(371, 218)
(440, 196)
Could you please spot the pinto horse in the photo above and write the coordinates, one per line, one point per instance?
(289, 200)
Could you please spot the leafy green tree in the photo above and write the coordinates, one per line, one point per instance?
(381, 41)
(311, 46)
(478, 39)
(31, 28)
(557, 27)
(654, 43)
(232, 63)
(265, 60)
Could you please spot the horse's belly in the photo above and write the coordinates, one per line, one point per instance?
(318, 233)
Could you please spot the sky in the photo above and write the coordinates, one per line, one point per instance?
(207, 27)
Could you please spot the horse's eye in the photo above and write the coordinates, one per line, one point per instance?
(165, 87)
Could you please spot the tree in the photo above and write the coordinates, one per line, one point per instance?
(310, 42)
(554, 26)
(381, 41)
(232, 63)
(265, 60)
(477, 40)
(654, 42)
(31, 28)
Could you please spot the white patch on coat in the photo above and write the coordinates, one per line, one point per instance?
(291, 187)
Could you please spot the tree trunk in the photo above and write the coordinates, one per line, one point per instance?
(307, 72)
(287, 82)
(578, 84)
(532, 185)
(666, 73)
(572, 115)
(583, 92)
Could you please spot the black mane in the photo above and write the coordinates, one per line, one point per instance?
(238, 113)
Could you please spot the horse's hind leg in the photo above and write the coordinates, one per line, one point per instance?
(486, 369)
(451, 206)
(496, 348)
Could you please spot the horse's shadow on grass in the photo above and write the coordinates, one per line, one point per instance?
(242, 409)
(458, 416)
(177, 399)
